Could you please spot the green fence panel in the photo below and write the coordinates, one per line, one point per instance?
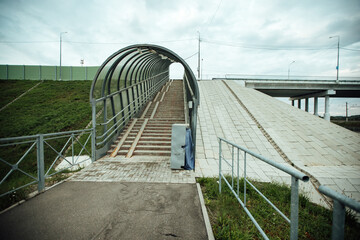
(16, 72)
(79, 73)
(48, 72)
(31, 72)
(3, 72)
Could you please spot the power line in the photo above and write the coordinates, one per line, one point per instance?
(191, 56)
(99, 43)
(262, 47)
(26, 42)
(350, 49)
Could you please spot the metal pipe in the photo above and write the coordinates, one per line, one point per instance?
(282, 167)
(294, 216)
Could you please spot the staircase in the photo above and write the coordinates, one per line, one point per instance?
(150, 135)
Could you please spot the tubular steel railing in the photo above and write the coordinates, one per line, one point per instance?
(43, 147)
(340, 202)
(295, 177)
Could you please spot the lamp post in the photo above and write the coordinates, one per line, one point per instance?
(202, 65)
(289, 69)
(60, 50)
(337, 65)
(199, 56)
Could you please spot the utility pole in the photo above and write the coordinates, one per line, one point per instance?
(202, 67)
(198, 57)
(60, 50)
(337, 65)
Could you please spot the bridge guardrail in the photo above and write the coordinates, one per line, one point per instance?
(37, 150)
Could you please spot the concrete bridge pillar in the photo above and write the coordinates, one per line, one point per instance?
(293, 103)
(316, 108)
(327, 108)
(299, 103)
(307, 104)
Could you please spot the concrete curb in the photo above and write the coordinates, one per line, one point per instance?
(205, 214)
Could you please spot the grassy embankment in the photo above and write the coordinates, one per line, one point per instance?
(352, 124)
(229, 220)
(53, 106)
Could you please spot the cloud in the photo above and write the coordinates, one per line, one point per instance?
(255, 30)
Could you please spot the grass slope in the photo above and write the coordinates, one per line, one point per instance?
(53, 106)
(229, 220)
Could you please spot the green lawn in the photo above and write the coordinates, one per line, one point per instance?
(12, 89)
(51, 107)
(229, 220)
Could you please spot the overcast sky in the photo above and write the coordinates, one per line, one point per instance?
(237, 37)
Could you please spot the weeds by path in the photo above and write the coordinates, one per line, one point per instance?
(229, 220)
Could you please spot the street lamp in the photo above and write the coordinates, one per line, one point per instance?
(60, 50)
(337, 65)
(289, 69)
(202, 65)
(199, 56)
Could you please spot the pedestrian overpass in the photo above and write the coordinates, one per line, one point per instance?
(127, 84)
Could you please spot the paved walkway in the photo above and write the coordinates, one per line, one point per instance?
(329, 153)
(108, 210)
(136, 169)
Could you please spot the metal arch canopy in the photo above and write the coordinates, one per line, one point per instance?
(155, 50)
(126, 81)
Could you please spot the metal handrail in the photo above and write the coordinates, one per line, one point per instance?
(295, 176)
(109, 132)
(340, 202)
(38, 142)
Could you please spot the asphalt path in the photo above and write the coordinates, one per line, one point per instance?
(108, 210)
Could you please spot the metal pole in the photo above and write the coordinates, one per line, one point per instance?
(337, 67)
(289, 69)
(338, 53)
(245, 179)
(199, 56)
(60, 51)
(219, 165)
(93, 134)
(202, 65)
(232, 167)
(338, 224)
(346, 111)
(40, 162)
(294, 216)
(238, 160)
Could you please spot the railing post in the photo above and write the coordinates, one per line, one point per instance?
(294, 217)
(338, 224)
(238, 173)
(72, 148)
(244, 178)
(93, 132)
(232, 167)
(219, 165)
(40, 162)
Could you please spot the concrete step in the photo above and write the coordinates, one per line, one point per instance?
(152, 153)
(152, 148)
